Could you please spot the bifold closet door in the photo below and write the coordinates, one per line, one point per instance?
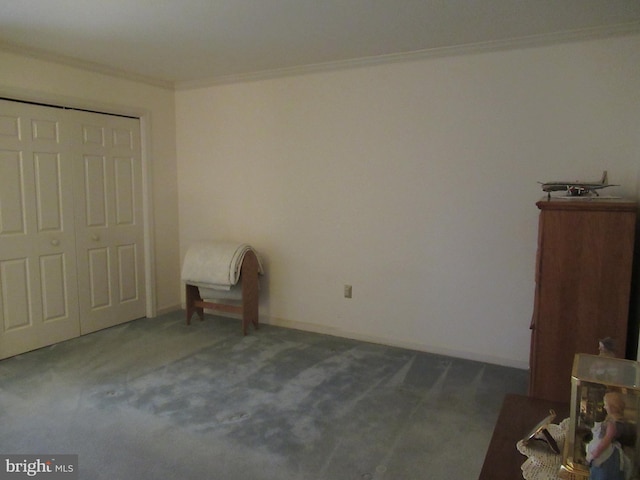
(38, 277)
(71, 224)
(109, 220)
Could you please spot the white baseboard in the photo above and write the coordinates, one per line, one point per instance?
(420, 347)
(170, 309)
(337, 332)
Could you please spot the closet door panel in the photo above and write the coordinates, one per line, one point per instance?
(38, 288)
(95, 190)
(110, 231)
(49, 201)
(15, 297)
(12, 208)
(54, 287)
(99, 278)
(127, 267)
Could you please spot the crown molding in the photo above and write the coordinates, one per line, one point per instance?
(463, 49)
(93, 67)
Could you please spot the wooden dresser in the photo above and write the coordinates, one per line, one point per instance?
(583, 277)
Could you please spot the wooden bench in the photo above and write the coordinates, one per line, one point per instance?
(248, 306)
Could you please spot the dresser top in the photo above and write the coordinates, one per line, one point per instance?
(588, 203)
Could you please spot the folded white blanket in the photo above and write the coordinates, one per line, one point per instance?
(215, 264)
(215, 294)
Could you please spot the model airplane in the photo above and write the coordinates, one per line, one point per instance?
(577, 189)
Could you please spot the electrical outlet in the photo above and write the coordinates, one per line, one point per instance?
(348, 291)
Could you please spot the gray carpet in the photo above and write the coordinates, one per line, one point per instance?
(155, 399)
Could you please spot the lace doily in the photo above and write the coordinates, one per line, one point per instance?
(542, 463)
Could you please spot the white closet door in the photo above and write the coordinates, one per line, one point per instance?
(71, 224)
(109, 220)
(38, 287)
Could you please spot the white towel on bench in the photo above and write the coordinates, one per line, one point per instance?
(215, 265)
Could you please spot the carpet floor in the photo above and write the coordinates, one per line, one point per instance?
(156, 399)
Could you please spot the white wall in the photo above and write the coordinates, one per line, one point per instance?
(28, 78)
(415, 182)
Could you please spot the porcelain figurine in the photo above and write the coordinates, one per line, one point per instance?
(604, 453)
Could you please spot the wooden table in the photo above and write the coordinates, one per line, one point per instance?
(519, 414)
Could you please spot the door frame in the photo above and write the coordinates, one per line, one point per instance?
(144, 116)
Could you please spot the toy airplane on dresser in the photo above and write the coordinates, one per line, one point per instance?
(577, 189)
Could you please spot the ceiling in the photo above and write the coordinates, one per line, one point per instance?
(178, 42)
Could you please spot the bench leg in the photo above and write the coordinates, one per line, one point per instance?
(193, 296)
(249, 278)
